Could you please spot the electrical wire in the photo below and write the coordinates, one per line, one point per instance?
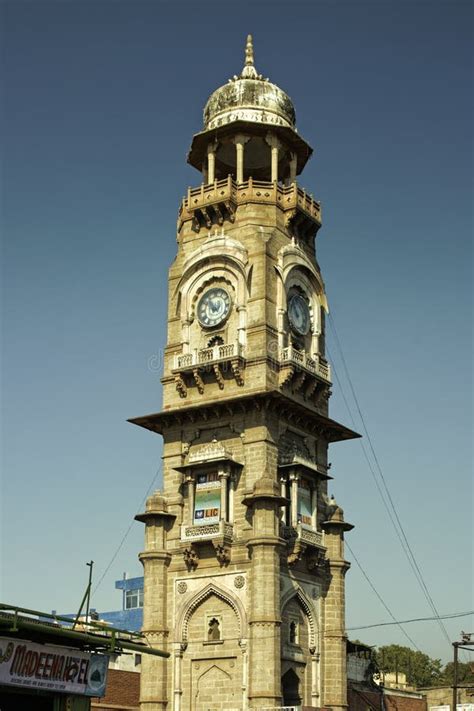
(398, 526)
(341, 389)
(127, 532)
(450, 616)
(395, 622)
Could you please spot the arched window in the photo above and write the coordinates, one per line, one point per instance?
(293, 633)
(213, 630)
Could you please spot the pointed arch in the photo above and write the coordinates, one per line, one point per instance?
(308, 608)
(224, 594)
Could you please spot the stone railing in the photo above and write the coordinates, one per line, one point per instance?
(227, 191)
(303, 533)
(207, 531)
(317, 365)
(206, 356)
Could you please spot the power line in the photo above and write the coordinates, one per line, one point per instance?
(398, 528)
(125, 535)
(381, 599)
(450, 616)
(341, 389)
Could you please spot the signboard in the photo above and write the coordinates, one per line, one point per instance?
(207, 499)
(52, 668)
(304, 503)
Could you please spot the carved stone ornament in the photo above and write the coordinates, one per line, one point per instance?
(181, 385)
(222, 554)
(212, 450)
(316, 561)
(239, 581)
(191, 558)
(296, 553)
(182, 587)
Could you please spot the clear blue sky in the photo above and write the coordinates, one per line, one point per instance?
(102, 99)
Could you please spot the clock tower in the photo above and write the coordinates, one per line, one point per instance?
(244, 551)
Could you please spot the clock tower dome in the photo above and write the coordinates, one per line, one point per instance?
(244, 555)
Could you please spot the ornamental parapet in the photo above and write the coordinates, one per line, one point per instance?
(222, 530)
(204, 364)
(315, 365)
(217, 202)
(304, 534)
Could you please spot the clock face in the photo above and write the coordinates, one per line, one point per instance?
(213, 307)
(298, 314)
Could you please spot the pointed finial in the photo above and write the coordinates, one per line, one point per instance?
(249, 52)
(249, 71)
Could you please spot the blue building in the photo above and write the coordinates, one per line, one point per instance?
(130, 616)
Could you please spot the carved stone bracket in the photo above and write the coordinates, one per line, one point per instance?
(296, 552)
(230, 207)
(309, 392)
(286, 375)
(321, 397)
(191, 558)
(236, 371)
(289, 215)
(198, 380)
(299, 380)
(316, 562)
(218, 374)
(181, 385)
(222, 553)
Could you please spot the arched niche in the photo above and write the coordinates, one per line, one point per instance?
(307, 607)
(191, 605)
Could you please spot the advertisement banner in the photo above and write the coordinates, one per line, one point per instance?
(46, 666)
(207, 500)
(304, 503)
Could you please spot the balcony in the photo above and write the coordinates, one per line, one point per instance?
(305, 542)
(304, 534)
(316, 366)
(216, 202)
(208, 364)
(208, 356)
(207, 532)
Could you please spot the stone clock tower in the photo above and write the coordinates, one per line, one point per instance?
(244, 555)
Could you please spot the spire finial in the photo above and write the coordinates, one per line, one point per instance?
(249, 71)
(249, 52)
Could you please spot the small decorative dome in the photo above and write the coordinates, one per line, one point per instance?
(249, 97)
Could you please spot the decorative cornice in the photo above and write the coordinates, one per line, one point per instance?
(273, 402)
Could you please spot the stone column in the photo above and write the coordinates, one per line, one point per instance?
(155, 560)
(264, 605)
(178, 691)
(241, 329)
(185, 335)
(314, 507)
(334, 691)
(190, 483)
(231, 498)
(240, 140)
(293, 167)
(283, 495)
(275, 146)
(294, 499)
(211, 162)
(224, 478)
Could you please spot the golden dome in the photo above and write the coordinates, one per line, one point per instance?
(249, 97)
